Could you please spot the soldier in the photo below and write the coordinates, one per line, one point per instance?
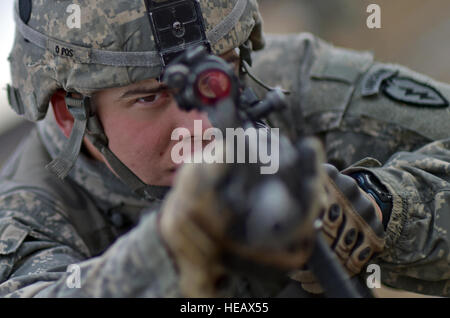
(102, 83)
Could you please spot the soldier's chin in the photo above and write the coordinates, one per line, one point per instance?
(165, 179)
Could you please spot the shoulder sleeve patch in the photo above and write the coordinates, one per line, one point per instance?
(398, 96)
(401, 89)
(412, 92)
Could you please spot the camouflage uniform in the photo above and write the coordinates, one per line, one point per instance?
(46, 223)
(93, 220)
(328, 101)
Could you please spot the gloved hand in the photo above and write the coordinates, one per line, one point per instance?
(195, 225)
(191, 224)
(351, 225)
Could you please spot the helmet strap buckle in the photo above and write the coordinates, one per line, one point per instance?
(80, 110)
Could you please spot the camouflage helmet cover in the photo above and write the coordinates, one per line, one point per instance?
(107, 27)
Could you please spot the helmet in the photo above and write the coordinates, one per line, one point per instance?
(48, 54)
(115, 45)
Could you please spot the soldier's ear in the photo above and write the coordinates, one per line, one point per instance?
(63, 117)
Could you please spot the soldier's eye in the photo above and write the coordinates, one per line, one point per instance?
(148, 99)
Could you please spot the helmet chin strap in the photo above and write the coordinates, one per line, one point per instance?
(79, 108)
(86, 121)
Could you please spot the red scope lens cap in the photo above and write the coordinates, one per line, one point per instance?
(212, 86)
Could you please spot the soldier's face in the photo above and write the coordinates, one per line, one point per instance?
(139, 120)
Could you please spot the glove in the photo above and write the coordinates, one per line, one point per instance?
(351, 225)
(191, 223)
(195, 226)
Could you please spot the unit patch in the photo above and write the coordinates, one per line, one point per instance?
(409, 91)
(402, 89)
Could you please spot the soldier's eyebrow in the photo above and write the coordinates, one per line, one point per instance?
(143, 91)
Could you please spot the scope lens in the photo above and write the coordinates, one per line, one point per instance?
(213, 86)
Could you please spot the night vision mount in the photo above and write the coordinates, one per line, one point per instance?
(177, 25)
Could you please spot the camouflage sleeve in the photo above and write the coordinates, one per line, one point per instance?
(362, 108)
(416, 257)
(357, 106)
(33, 262)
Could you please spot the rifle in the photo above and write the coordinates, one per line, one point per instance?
(205, 82)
